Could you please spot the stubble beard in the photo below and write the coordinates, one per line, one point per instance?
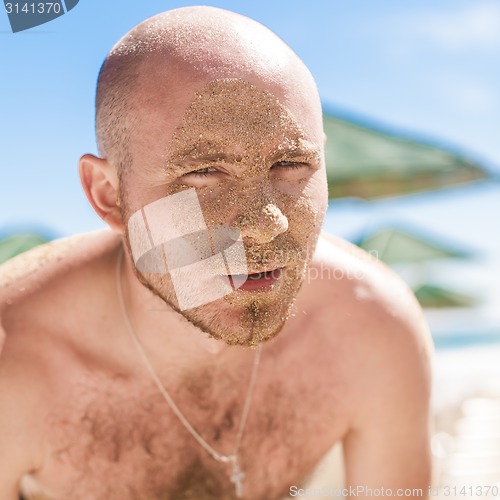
(240, 318)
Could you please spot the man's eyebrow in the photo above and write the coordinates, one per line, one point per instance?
(302, 151)
(195, 156)
(193, 159)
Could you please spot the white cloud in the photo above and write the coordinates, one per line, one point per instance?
(475, 27)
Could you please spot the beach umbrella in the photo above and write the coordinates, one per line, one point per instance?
(18, 243)
(430, 295)
(367, 161)
(395, 245)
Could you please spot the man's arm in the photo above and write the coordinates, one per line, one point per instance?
(16, 443)
(388, 443)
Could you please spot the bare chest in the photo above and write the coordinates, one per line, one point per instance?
(123, 442)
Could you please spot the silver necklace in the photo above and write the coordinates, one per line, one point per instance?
(237, 474)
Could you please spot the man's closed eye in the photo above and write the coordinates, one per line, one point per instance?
(202, 172)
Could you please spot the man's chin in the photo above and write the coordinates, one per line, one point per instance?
(246, 325)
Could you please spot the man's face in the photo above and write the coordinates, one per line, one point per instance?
(256, 167)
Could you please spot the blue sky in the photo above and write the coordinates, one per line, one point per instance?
(423, 66)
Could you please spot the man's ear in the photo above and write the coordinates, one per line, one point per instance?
(100, 183)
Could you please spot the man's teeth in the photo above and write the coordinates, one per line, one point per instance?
(258, 276)
(254, 276)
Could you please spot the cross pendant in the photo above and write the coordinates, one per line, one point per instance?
(237, 476)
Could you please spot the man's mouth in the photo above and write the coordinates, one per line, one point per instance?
(255, 281)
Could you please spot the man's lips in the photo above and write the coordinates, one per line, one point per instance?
(255, 281)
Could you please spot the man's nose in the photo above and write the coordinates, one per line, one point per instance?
(262, 222)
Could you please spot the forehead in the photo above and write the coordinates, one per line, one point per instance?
(180, 110)
(234, 115)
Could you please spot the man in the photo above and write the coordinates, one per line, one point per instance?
(138, 365)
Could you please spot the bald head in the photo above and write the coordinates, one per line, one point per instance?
(184, 47)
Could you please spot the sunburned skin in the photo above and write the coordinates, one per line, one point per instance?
(251, 164)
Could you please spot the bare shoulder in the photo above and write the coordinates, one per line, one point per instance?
(29, 262)
(378, 319)
(346, 269)
(37, 268)
(45, 294)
